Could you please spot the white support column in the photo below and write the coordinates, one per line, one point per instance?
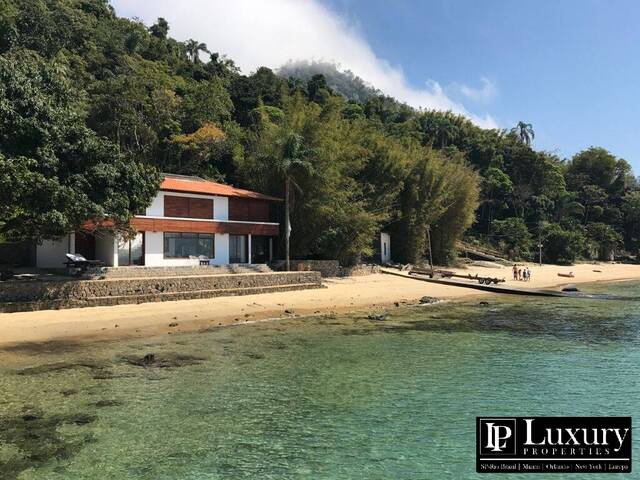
(72, 243)
(249, 250)
(115, 250)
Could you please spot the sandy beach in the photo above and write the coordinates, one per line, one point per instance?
(366, 293)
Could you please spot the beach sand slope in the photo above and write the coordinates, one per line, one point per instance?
(340, 295)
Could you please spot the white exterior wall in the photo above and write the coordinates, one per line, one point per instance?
(51, 253)
(385, 239)
(107, 249)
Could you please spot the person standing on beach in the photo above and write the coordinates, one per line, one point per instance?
(515, 271)
(528, 274)
(520, 274)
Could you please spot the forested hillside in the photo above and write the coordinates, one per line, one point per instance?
(93, 107)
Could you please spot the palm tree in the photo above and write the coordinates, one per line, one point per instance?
(193, 48)
(567, 206)
(525, 132)
(291, 161)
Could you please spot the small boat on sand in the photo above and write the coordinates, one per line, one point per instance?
(567, 275)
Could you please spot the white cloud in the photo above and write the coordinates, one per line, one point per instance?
(485, 94)
(269, 33)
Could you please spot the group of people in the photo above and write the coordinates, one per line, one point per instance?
(521, 274)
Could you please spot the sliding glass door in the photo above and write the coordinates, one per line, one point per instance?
(238, 249)
(131, 252)
(260, 249)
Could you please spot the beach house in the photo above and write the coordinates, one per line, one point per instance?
(190, 221)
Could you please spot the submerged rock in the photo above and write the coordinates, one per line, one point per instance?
(428, 300)
(570, 288)
(60, 366)
(163, 360)
(81, 419)
(108, 403)
(37, 436)
(377, 316)
(30, 417)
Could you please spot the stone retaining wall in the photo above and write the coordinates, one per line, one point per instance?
(330, 268)
(327, 268)
(360, 270)
(39, 295)
(184, 271)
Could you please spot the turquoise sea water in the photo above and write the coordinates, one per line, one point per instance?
(322, 398)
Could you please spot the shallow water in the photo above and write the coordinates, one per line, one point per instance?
(321, 398)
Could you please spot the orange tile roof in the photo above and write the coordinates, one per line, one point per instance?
(197, 185)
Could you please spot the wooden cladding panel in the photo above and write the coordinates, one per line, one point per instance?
(187, 207)
(176, 206)
(200, 208)
(247, 210)
(187, 226)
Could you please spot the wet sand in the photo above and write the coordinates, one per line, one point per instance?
(366, 293)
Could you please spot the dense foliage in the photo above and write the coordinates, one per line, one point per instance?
(55, 173)
(106, 102)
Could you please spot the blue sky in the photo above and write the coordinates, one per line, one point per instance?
(569, 67)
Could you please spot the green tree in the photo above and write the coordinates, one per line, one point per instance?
(193, 49)
(631, 220)
(568, 206)
(435, 185)
(497, 189)
(201, 152)
(207, 101)
(524, 132)
(597, 166)
(459, 215)
(512, 236)
(288, 164)
(55, 173)
(160, 29)
(332, 213)
(561, 245)
(604, 240)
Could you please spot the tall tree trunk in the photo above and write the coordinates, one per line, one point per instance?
(430, 251)
(287, 225)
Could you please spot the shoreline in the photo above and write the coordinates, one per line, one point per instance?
(363, 294)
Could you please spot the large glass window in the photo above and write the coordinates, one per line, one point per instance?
(238, 249)
(185, 245)
(131, 252)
